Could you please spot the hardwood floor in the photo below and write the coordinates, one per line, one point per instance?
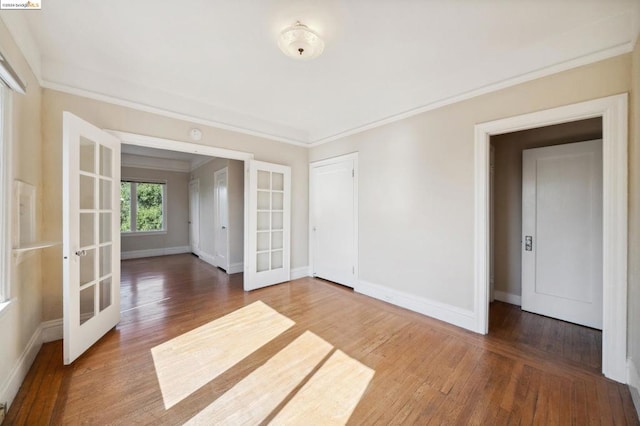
(528, 370)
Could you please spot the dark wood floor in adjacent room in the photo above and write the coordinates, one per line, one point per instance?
(528, 370)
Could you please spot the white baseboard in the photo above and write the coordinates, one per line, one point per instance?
(52, 330)
(633, 380)
(137, 254)
(442, 311)
(511, 298)
(203, 255)
(300, 273)
(235, 268)
(21, 368)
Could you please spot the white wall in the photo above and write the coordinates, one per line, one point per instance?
(177, 219)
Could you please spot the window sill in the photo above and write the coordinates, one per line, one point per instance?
(5, 307)
(142, 233)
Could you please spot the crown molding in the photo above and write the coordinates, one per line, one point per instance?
(166, 113)
(503, 84)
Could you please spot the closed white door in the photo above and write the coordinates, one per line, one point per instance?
(194, 216)
(562, 232)
(91, 234)
(221, 206)
(267, 224)
(333, 206)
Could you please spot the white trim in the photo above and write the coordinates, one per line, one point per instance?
(235, 268)
(52, 330)
(301, 272)
(6, 176)
(167, 251)
(206, 257)
(431, 308)
(613, 110)
(328, 161)
(167, 113)
(21, 367)
(511, 298)
(503, 84)
(155, 163)
(634, 385)
(174, 145)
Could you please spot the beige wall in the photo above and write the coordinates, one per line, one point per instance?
(507, 206)
(236, 211)
(19, 323)
(109, 116)
(416, 194)
(634, 223)
(235, 192)
(177, 201)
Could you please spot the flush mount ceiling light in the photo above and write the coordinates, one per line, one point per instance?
(299, 42)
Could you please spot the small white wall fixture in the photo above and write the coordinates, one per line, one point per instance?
(613, 110)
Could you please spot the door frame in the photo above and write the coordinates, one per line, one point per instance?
(613, 111)
(193, 148)
(352, 156)
(216, 207)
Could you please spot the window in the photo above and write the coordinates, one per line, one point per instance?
(142, 207)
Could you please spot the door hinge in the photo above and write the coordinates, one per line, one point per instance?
(353, 172)
(353, 269)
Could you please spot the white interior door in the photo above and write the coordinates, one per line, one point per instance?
(333, 220)
(562, 232)
(91, 234)
(194, 216)
(267, 224)
(221, 206)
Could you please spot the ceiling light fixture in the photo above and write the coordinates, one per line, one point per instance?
(299, 42)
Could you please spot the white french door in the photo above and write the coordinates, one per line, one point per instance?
(267, 225)
(91, 234)
(562, 232)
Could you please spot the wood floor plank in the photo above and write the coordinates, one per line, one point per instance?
(529, 369)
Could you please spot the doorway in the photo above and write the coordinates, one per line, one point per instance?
(613, 111)
(535, 172)
(194, 216)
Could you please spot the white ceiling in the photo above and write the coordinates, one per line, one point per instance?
(217, 61)
(143, 151)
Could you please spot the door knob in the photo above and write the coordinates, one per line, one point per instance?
(81, 253)
(224, 227)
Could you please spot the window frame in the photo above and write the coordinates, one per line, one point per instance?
(134, 207)
(6, 176)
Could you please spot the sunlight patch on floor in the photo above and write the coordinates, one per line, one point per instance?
(330, 396)
(186, 363)
(252, 399)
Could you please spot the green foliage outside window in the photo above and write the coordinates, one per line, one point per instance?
(146, 206)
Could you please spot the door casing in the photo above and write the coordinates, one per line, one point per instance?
(613, 111)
